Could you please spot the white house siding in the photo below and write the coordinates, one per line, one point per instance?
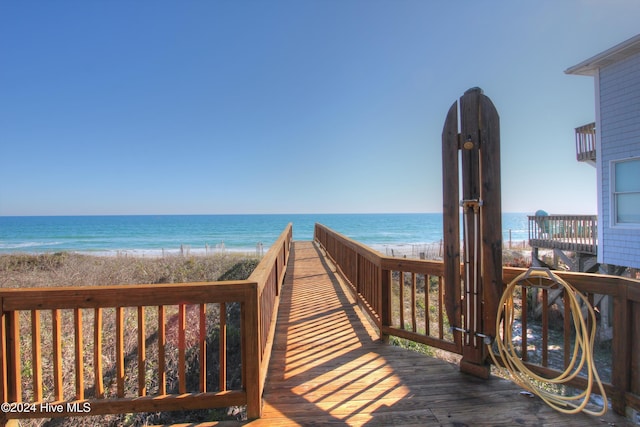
(619, 103)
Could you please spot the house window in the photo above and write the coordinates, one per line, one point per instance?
(626, 192)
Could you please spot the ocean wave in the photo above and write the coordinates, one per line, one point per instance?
(26, 245)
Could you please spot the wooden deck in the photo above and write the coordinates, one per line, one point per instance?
(328, 367)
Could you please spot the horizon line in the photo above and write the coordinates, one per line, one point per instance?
(245, 214)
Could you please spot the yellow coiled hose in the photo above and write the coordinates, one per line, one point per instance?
(582, 351)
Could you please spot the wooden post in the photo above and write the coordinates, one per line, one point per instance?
(472, 312)
(11, 378)
(622, 349)
(251, 352)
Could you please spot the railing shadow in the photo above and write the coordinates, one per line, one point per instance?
(325, 367)
(328, 366)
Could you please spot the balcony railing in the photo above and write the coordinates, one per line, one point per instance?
(586, 143)
(577, 233)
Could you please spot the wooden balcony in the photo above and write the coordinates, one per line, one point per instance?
(575, 233)
(586, 143)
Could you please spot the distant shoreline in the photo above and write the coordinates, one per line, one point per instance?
(429, 251)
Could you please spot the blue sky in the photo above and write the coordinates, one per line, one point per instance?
(205, 107)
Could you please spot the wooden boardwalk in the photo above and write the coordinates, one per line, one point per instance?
(329, 368)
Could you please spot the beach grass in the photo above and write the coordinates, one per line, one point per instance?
(70, 269)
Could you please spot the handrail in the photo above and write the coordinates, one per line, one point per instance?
(576, 233)
(586, 142)
(618, 299)
(79, 386)
(269, 275)
(375, 279)
(388, 303)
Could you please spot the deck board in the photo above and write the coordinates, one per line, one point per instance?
(329, 368)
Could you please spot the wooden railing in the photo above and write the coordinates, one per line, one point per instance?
(375, 279)
(404, 297)
(577, 233)
(617, 350)
(586, 143)
(120, 342)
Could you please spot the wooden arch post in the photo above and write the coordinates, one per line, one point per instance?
(471, 161)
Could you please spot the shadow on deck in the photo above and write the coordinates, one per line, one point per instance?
(328, 367)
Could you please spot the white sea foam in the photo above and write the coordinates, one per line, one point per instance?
(26, 245)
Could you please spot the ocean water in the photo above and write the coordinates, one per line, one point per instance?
(167, 234)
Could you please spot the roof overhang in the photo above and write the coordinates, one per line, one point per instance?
(615, 54)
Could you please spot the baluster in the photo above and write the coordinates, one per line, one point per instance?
(545, 327)
(36, 351)
(413, 302)
(524, 322)
(401, 293)
(203, 348)
(182, 377)
(120, 351)
(142, 353)
(567, 328)
(57, 354)
(427, 321)
(15, 376)
(77, 315)
(440, 308)
(4, 363)
(222, 375)
(97, 352)
(162, 341)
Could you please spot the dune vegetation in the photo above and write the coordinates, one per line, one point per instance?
(70, 269)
